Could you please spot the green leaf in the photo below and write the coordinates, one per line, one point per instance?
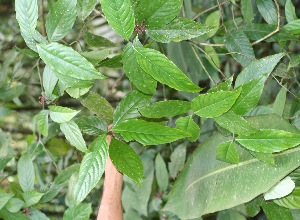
(96, 41)
(231, 215)
(80, 212)
(227, 152)
(161, 173)
(188, 125)
(247, 10)
(26, 172)
(279, 102)
(281, 189)
(269, 141)
(119, 14)
(165, 109)
(292, 201)
(293, 27)
(42, 122)
(275, 212)
(253, 207)
(218, 185)
(14, 205)
(13, 216)
(114, 62)
(148, 133)
(212, 20)
(85, 7)
(4, 161)
(68, 65)
(266, 158)
(129, 105)
(61, 114)
(142, 81)
(60, 19)
(212, 56)
(177, 30)
(267, 10)
(99, 105)
(32, 197)
(239, 45)
(126, 160)
(37, 215)
(57, 146)
(224, 86)
(4, 198)
(28, 52)
(163, 70)
(91, 168)
(9, 93)
(49, 81)
(73, 135)
(258, 68)
(290, 12)
(92, 125)
(77, 92)
(27, 15)
(211, 105)
(177, 160)
(158, 13)
(96, 56)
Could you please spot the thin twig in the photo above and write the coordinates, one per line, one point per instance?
(207, 10)
(42, 18)
(285, 88)
(212, 45)
(277, 28)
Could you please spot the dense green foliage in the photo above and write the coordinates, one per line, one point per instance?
(201, 99)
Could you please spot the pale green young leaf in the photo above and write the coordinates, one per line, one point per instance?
(247, 10)
(14, 205)
(4, 161)
(76, 93)
(4, 198)
(177, 30)
(239, 46)
(98, 105)
(96, 56)
(42, 122)
(60, 19)
(119, 14)
(292, 201)
(79, 212)
(158, 13)
(49, 81)
(269, 140)
(212, 20)
(212, 56)
(142, 81)
(163, 70)
(161, 173)
(73, 135)
(281, 189)
(31, 197)
(258, 68)
(211, 105)
(27, 15)
(126, 160)
(275, 212)
(267, 10)
(85, 7)
(91, 169)
(92, 125)
(36, 214)
(290, 12)
(165, 109)
(188, 125)
(148, 133)
(68, 65)
(293, 27)
(279, 103)
(61, 114)
(96, 41)
(227, 152)
(177, 160)
(129, 105)
(26, 174)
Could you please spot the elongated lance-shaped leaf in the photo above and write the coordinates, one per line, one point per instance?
(165, 109)
(188, 125)
(26, 172)
(61, 114)
(268, 10)
(177, 30)
(85, 7)
(148, 133)
(27, 15)
(68, 65)
(269, 141)
(91, 168)
(290, 12)
(161, 173)
(129, 105)
(163, 70)
(49, 82)
(247, 11)
(60, 19)
(4, 161)
(142, 81)
(126, 160)
(42, 122)
(119, 14)
(227, 152)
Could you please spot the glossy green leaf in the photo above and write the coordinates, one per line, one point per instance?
(188, 125)
(92, 125)
(239, 45)
(80, 212)
(49, 81)
(275, 212)
(293, 27)
(258, 68)
(26, 172)
(91, 168)
(99, 105)
(247, 11)
(60, 19)
(14, 205)
(177, 160)
(163, 70)
(4, 198)
(158, 13)
(4, 161)
(148, 133)
(96, 41)
(212, 20)
(218, 185)
(42, 122)
(211, 105)
(269, 140)
(68, 65)
(165, 109)
(27, 15)
(227, 152)
(119, 14)
(73, 135)
(292, 201)
(281, 189)
(279, 102)
(267, 10)
(177, 30)
(290, 12)
(31, 197)
(9, 93)
(85, 7)
(126, 160)
(142, 81)
(161, 173)
(61, 114)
